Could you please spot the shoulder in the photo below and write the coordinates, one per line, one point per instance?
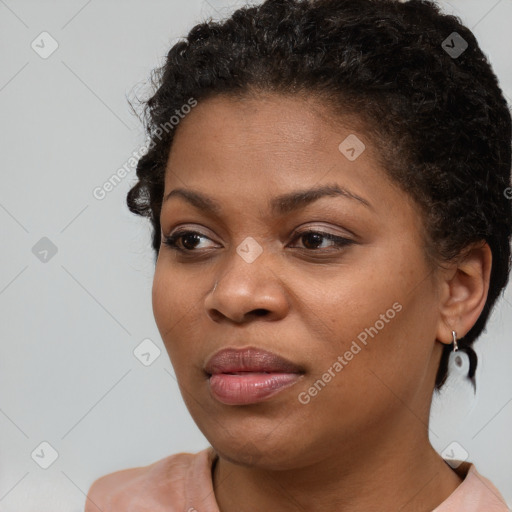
(480, 489)
(475, 493)
(157, 487)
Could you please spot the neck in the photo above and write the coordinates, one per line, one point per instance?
(403, 473)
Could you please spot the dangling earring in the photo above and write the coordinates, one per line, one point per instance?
(459, 360)
(458, 400)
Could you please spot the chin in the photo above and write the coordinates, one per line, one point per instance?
(266, 456)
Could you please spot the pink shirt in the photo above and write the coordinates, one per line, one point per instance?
(183, 483)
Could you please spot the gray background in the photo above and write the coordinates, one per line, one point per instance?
(70, 325)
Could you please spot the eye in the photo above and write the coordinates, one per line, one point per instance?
(314, 238)
(188, 239)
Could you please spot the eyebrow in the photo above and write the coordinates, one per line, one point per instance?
(279, 205)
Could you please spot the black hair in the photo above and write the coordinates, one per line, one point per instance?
(428, 98)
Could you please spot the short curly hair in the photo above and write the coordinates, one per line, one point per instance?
(439, 120)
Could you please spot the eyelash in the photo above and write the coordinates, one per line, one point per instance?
(171, 241)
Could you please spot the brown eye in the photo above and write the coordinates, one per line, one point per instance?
(189, 241)
(313, 239)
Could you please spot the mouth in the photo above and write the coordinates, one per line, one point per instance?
(242, 373)
(249, 375)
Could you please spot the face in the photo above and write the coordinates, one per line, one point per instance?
(336, 283)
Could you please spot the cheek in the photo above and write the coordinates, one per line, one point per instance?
(368, 366)
(170, 303)
(350, 300)
(161, 299)
(176, 302)
(374, 315)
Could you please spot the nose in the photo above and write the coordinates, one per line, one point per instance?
(247, 291)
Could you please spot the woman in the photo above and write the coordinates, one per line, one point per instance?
(327, 182)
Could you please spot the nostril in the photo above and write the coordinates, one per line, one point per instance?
(260, 312)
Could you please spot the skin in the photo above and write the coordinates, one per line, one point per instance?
(362, 442)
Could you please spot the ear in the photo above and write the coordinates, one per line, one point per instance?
(463, 292)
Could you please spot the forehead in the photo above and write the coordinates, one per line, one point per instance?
(256, 147)
(282, 119)
(272, 135)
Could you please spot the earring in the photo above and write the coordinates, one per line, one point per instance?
(459, 360)
(455, 346)
(459, 396)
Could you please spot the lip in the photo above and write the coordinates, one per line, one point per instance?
(249, 375)
(250, 359)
